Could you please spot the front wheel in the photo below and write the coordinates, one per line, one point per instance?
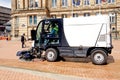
(99, 56)
(51, 55)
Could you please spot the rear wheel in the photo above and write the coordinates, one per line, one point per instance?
(51, 55)
(99, 56)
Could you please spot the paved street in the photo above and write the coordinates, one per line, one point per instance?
(81, 69)
(8, 73)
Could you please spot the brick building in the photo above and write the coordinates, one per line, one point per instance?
(27, 13)
(5, 16)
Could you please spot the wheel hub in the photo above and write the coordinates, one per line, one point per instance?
(50, 55)
(99, 57)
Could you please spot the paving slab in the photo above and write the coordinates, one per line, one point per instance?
(9, 73)
(80, 69)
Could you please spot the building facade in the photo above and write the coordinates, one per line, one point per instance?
(5, 16)
(26, 14)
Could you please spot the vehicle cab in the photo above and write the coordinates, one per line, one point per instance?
(46, 36)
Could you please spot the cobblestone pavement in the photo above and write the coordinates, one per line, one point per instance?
(80, 69)
(8, 73)
(16, 74)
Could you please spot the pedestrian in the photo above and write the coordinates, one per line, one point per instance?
(23, 39)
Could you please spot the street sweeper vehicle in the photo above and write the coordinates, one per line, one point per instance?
(72, 37)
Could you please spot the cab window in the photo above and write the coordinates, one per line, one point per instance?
(39, 29)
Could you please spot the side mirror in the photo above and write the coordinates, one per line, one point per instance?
(33, 34)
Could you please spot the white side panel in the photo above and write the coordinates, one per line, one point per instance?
(82, 35)
(84, 31)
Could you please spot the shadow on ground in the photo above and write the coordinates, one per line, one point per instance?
(110, 59)
(87, 60)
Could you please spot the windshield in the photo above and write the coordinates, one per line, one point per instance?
(39, 31)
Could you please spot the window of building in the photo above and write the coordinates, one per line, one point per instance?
(18, 4)
(111, 1)
(98, 13)
(75, 15)
(64, 3)
(112, 17)
(16, 26)
(86, 2)
(86, 14)
(30, 20)
(16, 21)
(76, 2)
(98, 1)
(33, 3)
(36, 3)
(53, 16)
(54, 3)
(33, 20)
(64, 15)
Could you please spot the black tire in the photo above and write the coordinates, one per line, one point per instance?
(51, 55)
(99, 56)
